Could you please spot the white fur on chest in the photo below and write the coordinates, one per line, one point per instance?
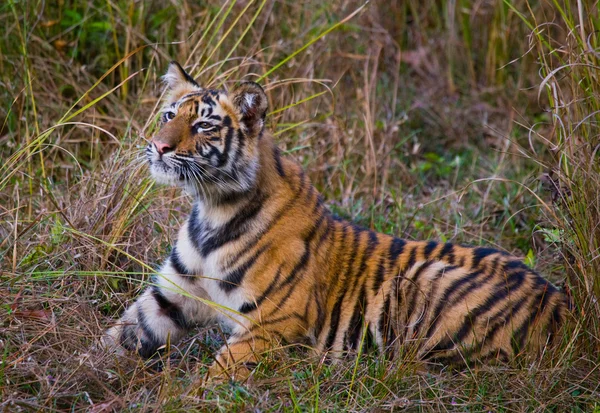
(210, 272)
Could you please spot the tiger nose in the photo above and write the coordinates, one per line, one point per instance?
(162, 147)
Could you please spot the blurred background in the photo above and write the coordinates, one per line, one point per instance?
(465, 121)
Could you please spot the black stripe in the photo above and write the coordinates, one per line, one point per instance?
(415, 288)
(177, 264)
(271, 286)
(236, 227)
(470, 319)
(514, 280)
(373, 242)
(480, 253)
(224, 156)
(240, 146)
(429, 247)
(276, 218)
(384, 321)
(321, 312)
(493, 266)
(366, 254)
(247, 307)
(480, 311)
(516, 264)
(186, 75)
(208, 100)
(435, 281)
(473, 286)
(555, 321)
(235, 277)
(396, 248)
(520, 335)
(335, 316)
(233, 197)
(321, 316)
(396, 290)
(441, 346)
(304, 259)
(557, 317)
(306, 255)
(356, 323)
(456, 358)
(272, 321)
(149, 343)
(412, 257)
(370, 343)
(309, 303)
(127, 338)
(443, 301)
(510, 309)
(447, 253)
(169, 309)
(278, 163)
(196, 229)
(379, 275)
(324, 234)
(502, 319)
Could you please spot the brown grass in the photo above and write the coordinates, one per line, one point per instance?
(427, 119)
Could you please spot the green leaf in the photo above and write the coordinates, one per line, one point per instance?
(530, 258)
(71, 18)
(100, 26)
(551, 235)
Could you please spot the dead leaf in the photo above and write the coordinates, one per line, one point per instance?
(45, 315)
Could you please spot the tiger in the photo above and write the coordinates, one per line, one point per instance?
(262, 256)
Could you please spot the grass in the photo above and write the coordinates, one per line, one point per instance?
(469, 122)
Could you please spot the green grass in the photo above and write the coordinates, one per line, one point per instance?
(461, 121)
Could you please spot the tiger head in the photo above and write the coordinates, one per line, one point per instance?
(208, 139)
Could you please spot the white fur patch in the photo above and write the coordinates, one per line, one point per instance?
(162, 326)
(249, 99)
(171, 79)
(211, 267)
(187, 293)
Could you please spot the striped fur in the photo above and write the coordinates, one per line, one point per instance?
(282, 269)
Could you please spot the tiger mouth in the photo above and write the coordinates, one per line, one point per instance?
(162, 171)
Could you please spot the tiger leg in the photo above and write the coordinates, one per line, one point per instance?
(163, 313)
(236, 359)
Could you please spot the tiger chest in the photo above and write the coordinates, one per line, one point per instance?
(211, 273)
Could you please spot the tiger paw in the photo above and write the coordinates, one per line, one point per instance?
(240, 372)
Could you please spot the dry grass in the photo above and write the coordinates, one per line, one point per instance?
(427, 119)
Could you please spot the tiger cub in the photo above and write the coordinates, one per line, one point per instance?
(261, 255)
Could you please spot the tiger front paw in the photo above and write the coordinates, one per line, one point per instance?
(132, 333)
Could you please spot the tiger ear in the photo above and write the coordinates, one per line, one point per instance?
(250, 100)
(176, 76)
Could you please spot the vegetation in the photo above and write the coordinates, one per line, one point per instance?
(464, 121)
